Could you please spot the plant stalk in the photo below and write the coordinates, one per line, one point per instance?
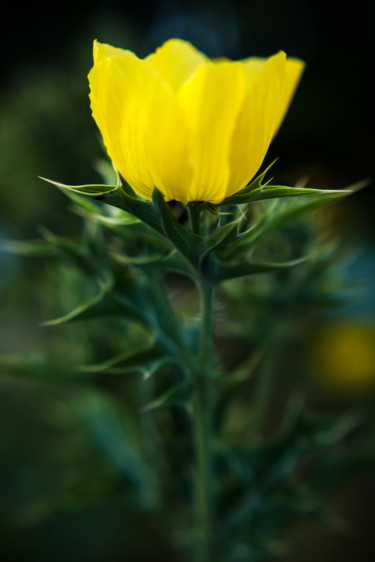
(203, 431)
(194, 211)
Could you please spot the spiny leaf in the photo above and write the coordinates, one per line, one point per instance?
(140, 359)
(175, 263)
(281, 213)
(109, 215)
(243, 372)
(225, 271)
(151, 369)
(323, 432)
(175, 396)
(151, 259)
(86, 307)
(257, 191)
(83, 254)
(223, 234)
(212, 209)
(121, 196)
(246, 194)
(281, 191)
(90, 190)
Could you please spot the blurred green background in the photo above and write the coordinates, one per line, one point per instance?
(53, 473)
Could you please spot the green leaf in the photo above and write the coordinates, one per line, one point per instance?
(257, 191)
(90, 190)
(121, 196)
(279, 214)
(110, 215)
(223, 235)
(87, 308)
(246, 194)
(281, 191)
(77, 253)
(178, 395)
(224, 271)
(175, 263)
(122, 218)
(141, 359)
(302, 433)
(152, 259)
(321, 431)
(270, 491)
(243, 372)
(213, 210)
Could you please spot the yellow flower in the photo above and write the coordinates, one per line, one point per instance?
(196, 129)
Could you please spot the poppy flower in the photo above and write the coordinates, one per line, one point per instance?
(194, 128)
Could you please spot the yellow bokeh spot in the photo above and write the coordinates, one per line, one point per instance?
(343, 356)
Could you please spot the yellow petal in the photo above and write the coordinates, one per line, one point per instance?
(293, 73)
(138, 116)
(270, 84)
(252, 66)
(211, 101)
(175, 61)
(254, 125)
(103, 51)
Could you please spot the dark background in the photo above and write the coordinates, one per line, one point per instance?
(46, 130)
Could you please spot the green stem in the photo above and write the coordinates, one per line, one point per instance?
(203, 431)
(194, 211)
